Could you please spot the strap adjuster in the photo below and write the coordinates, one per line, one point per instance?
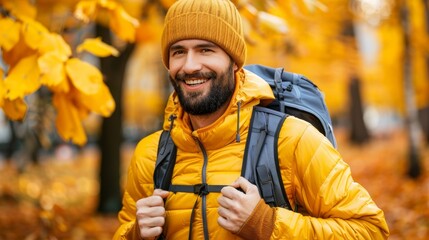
(201, 189)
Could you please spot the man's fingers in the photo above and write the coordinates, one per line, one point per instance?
(151, 212)
(150, 232)
(155, 200)
(242, 184)
(227, 202)
(151, 201)
(161, 193)
(231, 192)
(227, 219)
(152, 222)
(225, 213)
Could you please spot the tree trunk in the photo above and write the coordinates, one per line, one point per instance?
(424, 121)
(111, 138)
(359, 132)
(424, 113)
(412, 123)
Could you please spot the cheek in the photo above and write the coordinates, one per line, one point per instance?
(172, 70)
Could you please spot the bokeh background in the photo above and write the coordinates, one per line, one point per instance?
(82, 82)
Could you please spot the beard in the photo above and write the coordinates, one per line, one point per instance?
(221, 90)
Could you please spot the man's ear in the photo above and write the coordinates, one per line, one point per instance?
(235, 67)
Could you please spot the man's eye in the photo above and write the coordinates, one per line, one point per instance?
(206, 50)
(178, 52)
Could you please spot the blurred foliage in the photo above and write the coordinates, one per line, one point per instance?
(328, 41)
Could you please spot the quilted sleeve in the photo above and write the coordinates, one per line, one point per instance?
(334, 205)
(139, 185)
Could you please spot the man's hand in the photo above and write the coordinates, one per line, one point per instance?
(236, 206)
(151, 214)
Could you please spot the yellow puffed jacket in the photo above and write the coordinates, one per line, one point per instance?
(318, 182)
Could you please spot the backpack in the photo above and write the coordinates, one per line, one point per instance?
(295, 95)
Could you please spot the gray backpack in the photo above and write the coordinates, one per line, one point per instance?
(295, 95)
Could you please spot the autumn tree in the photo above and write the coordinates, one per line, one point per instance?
(38, 58)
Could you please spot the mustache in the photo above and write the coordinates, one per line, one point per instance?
(184, 76)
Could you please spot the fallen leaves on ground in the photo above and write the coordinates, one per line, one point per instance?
(57, 198)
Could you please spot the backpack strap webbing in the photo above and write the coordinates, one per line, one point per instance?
(165, 161)
(199, 189)
(260, 163)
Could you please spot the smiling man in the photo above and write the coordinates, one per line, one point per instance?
(208, 117)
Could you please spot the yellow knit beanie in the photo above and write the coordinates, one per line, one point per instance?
(217, 21)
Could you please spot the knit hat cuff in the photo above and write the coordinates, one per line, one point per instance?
(206, 26)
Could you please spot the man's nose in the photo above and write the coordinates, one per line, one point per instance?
(192, 63)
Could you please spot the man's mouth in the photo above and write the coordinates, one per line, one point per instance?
(195, 81)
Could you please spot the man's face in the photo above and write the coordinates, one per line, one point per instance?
(202, 75)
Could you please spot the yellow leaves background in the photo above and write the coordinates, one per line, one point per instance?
(304, 36)
(97, 47)
(316, 44)
(23, 79)
(118, 19)
(37, 57)
(9, 35)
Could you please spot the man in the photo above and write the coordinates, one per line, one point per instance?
(204, 51)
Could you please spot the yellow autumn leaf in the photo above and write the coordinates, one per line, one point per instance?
(68, 123)
(20, 8)
(123, 24)
(23, 79)
(62, 87)
(15, 109)
(33, 32)
(55, 42)
(101, 103)
(85, 10)
(85, 77)
(97, 47)
(52, 69)
(9, 35)
(18, 52)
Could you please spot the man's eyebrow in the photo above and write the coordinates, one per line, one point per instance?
(207, 45)
(176, 47)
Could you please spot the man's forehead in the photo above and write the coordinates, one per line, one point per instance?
(185, 43)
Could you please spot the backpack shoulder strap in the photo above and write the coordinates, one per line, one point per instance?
(165, 161)
(260, 162)
(163, 173)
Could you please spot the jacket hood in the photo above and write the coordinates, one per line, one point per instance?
(250, 90)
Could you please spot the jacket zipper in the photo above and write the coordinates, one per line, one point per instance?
(203, 197)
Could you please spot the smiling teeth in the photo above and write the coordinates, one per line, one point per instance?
(195, 81)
